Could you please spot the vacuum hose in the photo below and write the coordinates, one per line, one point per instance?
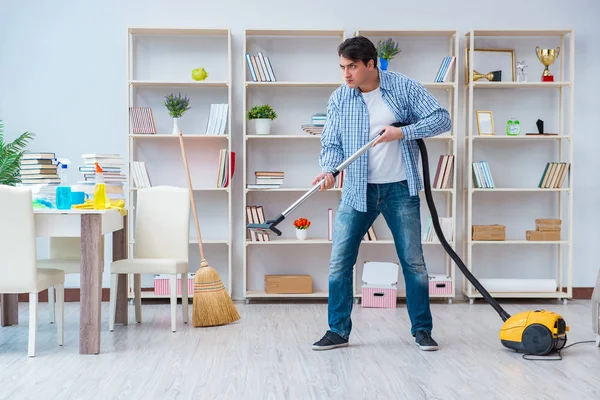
(438, 230)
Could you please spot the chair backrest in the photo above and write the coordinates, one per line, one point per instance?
(18, 258)
(162, 223)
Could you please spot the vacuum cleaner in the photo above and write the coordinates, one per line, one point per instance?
(536, 332)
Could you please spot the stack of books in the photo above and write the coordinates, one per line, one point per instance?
(38, 168)
(267, 180)
(111, 165)
(260, 68)
(316, 125)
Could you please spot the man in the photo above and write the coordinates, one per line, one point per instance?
(383, 180)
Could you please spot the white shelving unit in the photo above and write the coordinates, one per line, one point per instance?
(306, 68)
(160, 62)
(312, 76)
(516, 194)
(422, 52)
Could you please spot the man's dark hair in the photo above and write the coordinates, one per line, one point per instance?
(358, 48)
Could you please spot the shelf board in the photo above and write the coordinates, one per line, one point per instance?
(295, 32)
(293, 84)
(439, 85)
(288, 189)
(522, 241)
(519, 32)
(520, 137)
(409, 32)
(262, 294)
(179, 84)
(179, 31)
(170, 136)
(519, 190)
(523, 85)
(505, 295)
(307, 136)
(198, 189)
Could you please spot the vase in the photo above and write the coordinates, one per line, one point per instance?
(175, 126)
(384, 63)
(263, 126)
(301, 234)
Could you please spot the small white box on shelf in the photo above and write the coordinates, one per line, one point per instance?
(440, 284)
(379, 284)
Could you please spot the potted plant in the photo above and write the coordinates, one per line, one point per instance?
(386, 51)
(177, 106)
(262, 116)
(10, 157)
(302, 225)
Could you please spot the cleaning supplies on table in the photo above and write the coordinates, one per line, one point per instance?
(100, 190)
(63, 190)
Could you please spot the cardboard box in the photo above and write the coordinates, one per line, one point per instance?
(548, 224)
(440, 284)
(542, 235)
(489, 232)
(162, 287)
(288, 284)
(379, 284)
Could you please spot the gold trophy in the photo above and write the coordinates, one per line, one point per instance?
(494, 76)
(547, 58)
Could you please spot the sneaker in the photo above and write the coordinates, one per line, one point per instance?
(331, 340)
(425, 341)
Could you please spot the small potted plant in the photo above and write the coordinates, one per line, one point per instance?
(262, 116)
(177, 106)
(10, 157)
(302, 225)
(386, 51)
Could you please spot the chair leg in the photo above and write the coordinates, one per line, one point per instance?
(184, 297)
(51, 304)
(33, 320)
(173, 289)
(114, 287)
(60, 307)
(137, 288)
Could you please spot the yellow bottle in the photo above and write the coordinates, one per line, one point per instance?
(100, 190)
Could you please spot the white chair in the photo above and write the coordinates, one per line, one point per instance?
(162, 237)
(596, 310)
(18, 264)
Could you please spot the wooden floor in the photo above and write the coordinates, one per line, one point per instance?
(267, 355)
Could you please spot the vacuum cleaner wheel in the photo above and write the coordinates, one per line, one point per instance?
(538, 340)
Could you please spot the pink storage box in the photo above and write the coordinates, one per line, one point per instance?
(379, 284)
(440, 285)
(161, 285)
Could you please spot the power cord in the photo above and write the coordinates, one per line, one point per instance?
(542, 358)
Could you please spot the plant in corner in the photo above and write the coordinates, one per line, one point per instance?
(302, 225)
(262, 116)
(386, 51)
(10, 157)
(177, 106)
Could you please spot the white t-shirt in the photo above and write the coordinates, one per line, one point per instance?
(385, 161)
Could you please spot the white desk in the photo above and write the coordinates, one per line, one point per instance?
(91, 226)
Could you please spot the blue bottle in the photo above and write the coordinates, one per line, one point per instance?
(63, 191)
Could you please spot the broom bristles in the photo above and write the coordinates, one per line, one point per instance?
(212, 304)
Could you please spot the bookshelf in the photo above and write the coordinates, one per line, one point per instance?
(160, 62)
(517, 163)
(422, 52)
(305, 66)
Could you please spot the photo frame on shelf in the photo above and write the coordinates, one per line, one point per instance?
(489, 61)
(485, 123)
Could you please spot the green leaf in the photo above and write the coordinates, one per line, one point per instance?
(10, 157)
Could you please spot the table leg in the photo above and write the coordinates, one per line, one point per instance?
(120, 246)
(9, 309)
(91, 284)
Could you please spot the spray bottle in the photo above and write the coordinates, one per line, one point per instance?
(100, 190)
(63, 190)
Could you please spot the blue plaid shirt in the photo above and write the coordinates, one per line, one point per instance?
(347, 129)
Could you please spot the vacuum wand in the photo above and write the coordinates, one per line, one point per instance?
(269, 227)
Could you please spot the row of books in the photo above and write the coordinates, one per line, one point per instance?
(443, 173)
(217, 119)
(140, 174)
(445, 68)
(223, 174)
(255, 215)
(554, 175)
(142, 120)
(482, 176)
(428, 233)
(260, 68)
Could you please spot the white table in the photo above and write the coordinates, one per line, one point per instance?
(91, 226)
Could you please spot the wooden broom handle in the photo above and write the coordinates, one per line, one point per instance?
(189, 179)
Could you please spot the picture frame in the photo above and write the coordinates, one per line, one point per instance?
(485, 123)
(489, 59)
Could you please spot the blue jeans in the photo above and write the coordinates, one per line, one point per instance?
(402, 215)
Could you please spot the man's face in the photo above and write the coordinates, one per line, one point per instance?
(355, 73)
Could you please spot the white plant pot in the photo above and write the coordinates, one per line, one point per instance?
(263, 126)
(301, 234)
(175, 126)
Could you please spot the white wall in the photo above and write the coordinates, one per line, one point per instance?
(61, 62)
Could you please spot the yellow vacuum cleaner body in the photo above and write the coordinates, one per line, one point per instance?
(536, 332)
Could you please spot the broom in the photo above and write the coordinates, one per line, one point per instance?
(212, 305)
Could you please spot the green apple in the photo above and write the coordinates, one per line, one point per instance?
(199, 74)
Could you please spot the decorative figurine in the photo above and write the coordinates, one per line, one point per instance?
(521, 75)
